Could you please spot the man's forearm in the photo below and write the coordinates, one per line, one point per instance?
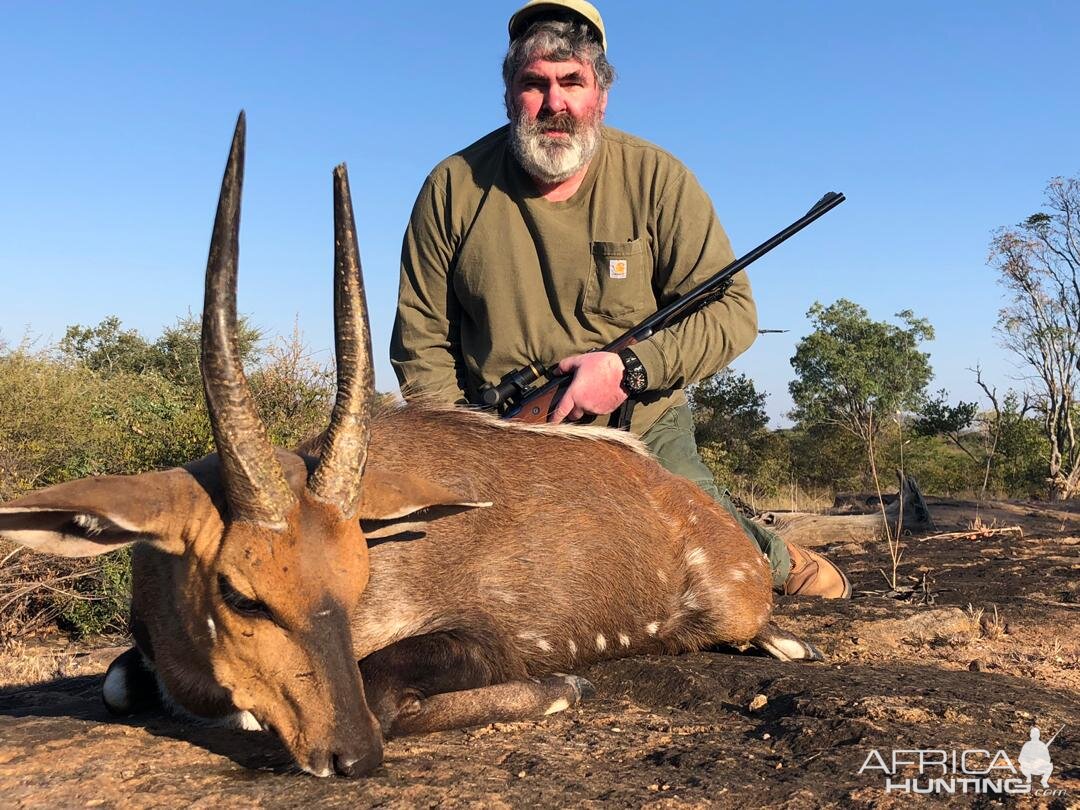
(704, 342)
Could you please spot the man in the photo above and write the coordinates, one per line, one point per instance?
(551, 236)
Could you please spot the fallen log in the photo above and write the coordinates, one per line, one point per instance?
(811, 529)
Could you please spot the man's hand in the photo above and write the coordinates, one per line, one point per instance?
(595, 389)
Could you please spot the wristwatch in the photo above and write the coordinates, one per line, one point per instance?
(634, 378)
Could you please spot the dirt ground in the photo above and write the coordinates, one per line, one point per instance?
(980, 644)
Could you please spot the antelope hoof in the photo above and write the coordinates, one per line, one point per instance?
(130, 685)
(583, 689)
(572, 690)
(784, 646)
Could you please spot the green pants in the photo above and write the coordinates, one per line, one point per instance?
(671, 440)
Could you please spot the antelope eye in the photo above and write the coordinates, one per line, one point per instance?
(240, 603)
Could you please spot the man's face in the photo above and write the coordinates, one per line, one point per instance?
(556, 109)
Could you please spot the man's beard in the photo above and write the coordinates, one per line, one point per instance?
(554, 159)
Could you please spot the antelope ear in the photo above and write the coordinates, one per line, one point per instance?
(389, 496)
(93, 515)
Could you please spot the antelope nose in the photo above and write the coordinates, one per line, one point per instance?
(358, 763)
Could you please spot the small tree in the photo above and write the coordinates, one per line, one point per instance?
(1039, 263)
(857, 373)
(860, 375)
(1012, 438)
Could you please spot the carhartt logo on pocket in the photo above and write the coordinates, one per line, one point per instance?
(617, 268)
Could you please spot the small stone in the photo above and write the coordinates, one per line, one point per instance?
(654, 787)
(521, 774)
(758, 702)
(978, 665)
(766, 736)
(665, 786)
(1010, 628)
(856, 640)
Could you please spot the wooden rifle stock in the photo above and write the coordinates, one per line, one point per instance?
(514, 393)
(537, 405)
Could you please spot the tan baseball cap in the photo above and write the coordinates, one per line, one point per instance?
(535, 8)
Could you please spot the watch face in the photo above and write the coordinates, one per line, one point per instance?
(634, 378)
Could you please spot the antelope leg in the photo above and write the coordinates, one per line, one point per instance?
(503, 702)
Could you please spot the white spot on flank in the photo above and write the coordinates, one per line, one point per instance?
(624, 639)
(536, 638)
(720, 594)
(661, 575)
(652, 628)
(692, 520)
(559, 705)
(570, 645)
(601, 642)
(738, 575)
(690, 599)
(696, 556)
(212, 628)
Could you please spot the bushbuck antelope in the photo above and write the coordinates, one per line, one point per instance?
(463, 561)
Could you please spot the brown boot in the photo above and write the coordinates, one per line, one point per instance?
(813, 575)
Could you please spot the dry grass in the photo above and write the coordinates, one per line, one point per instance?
(792, 499)
(22, 666)
(989, 625)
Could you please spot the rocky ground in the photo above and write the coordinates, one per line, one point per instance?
(979, 643)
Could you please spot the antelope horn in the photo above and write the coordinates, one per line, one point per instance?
(337, 478)
(254, 482)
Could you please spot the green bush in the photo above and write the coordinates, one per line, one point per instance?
(98, 603)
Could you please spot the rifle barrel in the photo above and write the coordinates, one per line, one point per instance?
(685, 303)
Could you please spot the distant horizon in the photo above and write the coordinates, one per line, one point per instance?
(940, 124)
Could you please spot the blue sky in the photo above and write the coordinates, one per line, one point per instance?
(939, 121)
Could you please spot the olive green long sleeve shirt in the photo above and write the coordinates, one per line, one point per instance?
(493, 276)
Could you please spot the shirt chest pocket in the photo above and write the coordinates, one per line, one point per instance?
(617, 283)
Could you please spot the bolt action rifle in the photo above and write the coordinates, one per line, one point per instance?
(515, 396)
